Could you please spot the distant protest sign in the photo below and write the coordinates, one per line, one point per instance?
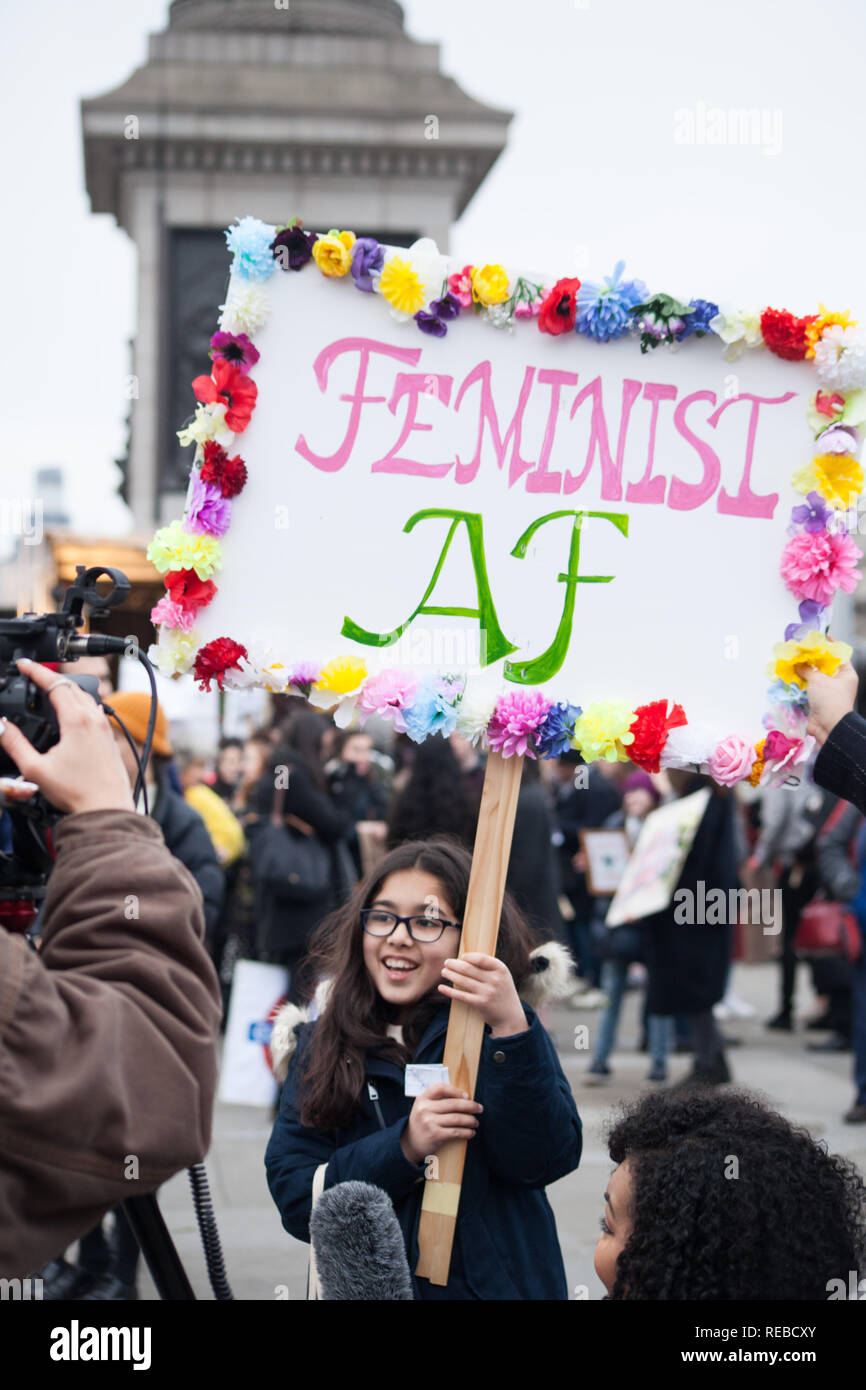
(545, 514)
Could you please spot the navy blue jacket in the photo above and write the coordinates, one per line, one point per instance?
(529, 1135)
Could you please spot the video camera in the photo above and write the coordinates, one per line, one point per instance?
(50, 637)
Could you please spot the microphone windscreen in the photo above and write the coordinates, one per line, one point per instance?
(358, 1245)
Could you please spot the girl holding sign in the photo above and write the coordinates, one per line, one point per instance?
(351, 1098)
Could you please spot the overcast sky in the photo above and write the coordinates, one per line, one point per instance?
(606, 94)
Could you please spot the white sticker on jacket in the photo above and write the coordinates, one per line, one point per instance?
(419, 1077)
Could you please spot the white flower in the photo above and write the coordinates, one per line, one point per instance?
(690, 746)
(209, 423)
(475, 710)
(246, 309)
(738, 329)
(344, 713)
(175, 652)
(840, 358)
(500, 316)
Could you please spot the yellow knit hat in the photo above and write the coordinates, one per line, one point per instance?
(133, 707)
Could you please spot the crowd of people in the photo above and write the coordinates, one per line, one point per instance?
(360, 897)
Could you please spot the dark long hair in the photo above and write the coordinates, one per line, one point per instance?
(789, 1218)
(435, 800)
(356, 1017)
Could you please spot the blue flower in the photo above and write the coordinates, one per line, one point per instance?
(604, 311)
(698, 320)
(555, 734)
(433, 709)
(780, 693)
(251, 245)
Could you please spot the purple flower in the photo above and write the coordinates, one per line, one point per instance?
(840, 439)
(810, 613)
(235, 348)
(555, 735)
(367, 256)
(208, 510)
(812, 515)
(448, 307)
(293, 247)
(431, 323)
(304, 676)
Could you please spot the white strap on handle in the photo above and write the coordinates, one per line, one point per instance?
(314, 1287)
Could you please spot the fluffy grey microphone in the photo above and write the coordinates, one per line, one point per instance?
(359, 1245)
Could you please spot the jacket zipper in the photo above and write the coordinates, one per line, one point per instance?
(374, 1096)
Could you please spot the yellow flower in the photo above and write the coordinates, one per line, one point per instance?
(489, 284)
(758, 765)
(342, 675)
(402, 286)
(840, 478)
(333, 253)
(173, 548)
(209, 423)
(175, 651)
(603, 731)
(811, 650)
(823, 320)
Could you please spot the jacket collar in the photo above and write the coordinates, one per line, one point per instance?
(436, 1028)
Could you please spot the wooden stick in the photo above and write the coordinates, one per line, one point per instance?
(465, 1025)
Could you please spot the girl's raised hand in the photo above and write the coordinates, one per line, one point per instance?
(485, 983)
(440, 1113)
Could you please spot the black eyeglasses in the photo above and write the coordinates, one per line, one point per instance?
(377, 922)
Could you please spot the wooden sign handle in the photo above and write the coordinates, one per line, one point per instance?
(465, 1025)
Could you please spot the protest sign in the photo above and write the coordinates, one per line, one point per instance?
(541, 515)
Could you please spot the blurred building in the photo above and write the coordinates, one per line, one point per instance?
(323, 109)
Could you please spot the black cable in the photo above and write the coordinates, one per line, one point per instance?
(151, 722)
(140, 786)
(210, 1237)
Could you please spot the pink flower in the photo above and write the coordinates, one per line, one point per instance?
(167, 613)
(387, 694)
(777, 745)
(516, 719)
(731, 761)
(815, 565)
(530, 309)
(460, 285)
(783, 756)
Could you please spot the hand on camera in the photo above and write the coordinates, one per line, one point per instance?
(83, 771)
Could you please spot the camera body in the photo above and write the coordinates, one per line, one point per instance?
(44, 637)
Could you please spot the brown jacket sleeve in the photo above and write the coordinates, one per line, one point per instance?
(107, 1037)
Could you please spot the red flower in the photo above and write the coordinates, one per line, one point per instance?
(214, 659)
(827, 404)
(228, 474)
(650, 728)
(188, 591)
(231, 387)
(785, 335)
(558, 311)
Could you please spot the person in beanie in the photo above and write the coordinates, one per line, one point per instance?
(182, 827)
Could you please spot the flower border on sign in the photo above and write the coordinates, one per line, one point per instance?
(819, 558)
